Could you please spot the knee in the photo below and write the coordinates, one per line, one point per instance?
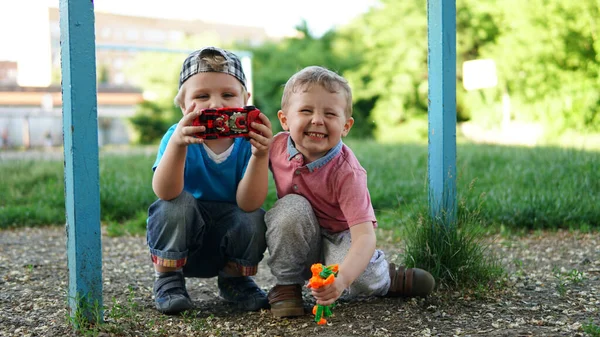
(183, 201)
(288, 210)
(293, 201)
(251, 225)
(290, 214)
(171, 211)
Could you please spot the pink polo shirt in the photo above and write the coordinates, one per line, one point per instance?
(335, 185)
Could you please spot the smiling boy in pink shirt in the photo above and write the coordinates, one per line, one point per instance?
(324, 212)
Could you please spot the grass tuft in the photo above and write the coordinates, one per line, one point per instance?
(592, 329)
(456, 254)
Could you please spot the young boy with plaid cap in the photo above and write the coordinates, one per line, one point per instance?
(324, 212)
(207, 220)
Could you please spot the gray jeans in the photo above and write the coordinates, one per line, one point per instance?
(296, 241)
(204, 236)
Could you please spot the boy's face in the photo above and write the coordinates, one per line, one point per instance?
(213, 90)
(316, 121)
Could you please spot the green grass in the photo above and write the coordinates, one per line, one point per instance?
(518, 187)
(123, 315)
(591, 329)
(564, 279)
(32, 192)
(456, 253)
(515, 187)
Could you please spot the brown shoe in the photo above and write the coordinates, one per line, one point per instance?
(286, 300)
(411, 282)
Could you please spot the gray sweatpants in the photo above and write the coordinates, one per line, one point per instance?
(296, 241)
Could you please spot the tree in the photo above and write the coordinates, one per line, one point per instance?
(158, 74)
(549, 56)
(276, 61)
(547, 53)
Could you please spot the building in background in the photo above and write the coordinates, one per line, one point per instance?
(8, 72)
(119, 38)
(30, 93)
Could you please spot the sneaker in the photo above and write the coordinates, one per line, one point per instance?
(243, 291)
(170, 295)
(286, 300)
(411, 282)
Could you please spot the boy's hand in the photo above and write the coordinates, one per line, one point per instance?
(261, 142)
(328, 294)
(184, 134)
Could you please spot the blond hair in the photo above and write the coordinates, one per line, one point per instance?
(217, 63)
(315, 75)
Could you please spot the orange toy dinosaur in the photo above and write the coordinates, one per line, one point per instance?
(322, 275)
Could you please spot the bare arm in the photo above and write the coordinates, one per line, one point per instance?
(252, 190)
(167, 181)
(360, 253)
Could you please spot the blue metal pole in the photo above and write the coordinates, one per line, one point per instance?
(441, 33)
(80, 131)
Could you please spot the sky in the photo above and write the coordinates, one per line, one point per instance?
(278, 17)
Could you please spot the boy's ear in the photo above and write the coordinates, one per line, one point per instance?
(347, 126)
(283, 120)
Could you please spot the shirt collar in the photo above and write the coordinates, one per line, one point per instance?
(293, 152)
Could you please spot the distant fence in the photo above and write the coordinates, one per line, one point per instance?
(29, 127)
(32, 117)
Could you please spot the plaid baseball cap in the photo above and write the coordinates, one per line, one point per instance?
(193, 64)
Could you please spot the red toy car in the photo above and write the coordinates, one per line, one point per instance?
(227, 122)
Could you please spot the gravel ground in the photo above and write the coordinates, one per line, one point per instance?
(553, 290)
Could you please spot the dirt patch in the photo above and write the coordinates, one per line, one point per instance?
(553, 290)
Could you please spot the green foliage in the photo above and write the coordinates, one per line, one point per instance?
(155, 115)
(158, 74)
(548, 60)
(547, 54)
(103, 74)
(123, 188)
(564, 279)
(392, 74)
(455, 254)
(592, 329)
(123, 315)
(150, 122)
(522, 187)
(529, 188)
(33, 191)
(275, 62)
(133, 225)
(533, 187)
(86, 317)
(32, 194)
